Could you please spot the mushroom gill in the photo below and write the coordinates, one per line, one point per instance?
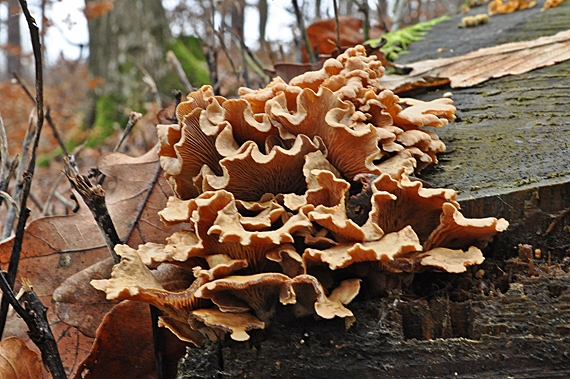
(294, 193)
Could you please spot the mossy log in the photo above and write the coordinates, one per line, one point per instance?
(508, 156)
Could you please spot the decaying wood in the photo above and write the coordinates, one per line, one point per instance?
(505, 318)
(484, 64)
(94, 197)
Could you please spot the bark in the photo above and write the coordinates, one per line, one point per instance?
(263, 10)
(133, 34)
(14, 37)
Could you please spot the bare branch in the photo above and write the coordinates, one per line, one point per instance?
(45, 210)
(48, 118)
(134, 117)
(337, 26)
(177, 67)
(152, 84)
(301, 24)
(34, 315)
(94, 197)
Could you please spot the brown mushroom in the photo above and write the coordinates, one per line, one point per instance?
(259, 292)
(450, 260)
(385, 249)
(458, 232)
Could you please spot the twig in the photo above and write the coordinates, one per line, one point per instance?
(301, 24)
(34, 315)
(3, 151)
(18, 188)
(134, 117)
(47, 113)
(337, 26)
(555, 222)
(6, 169)
(6, 196)
(243, 47)
(29, 173)
(64, 201)
(227, 53)
(177, 67)
(152, 84)
(94, 197)
(54, 186)
(55, 132)
(22, 84)
(36, 200)
(398, 14)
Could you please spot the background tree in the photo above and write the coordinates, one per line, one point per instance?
(14, 47)
(126, 38)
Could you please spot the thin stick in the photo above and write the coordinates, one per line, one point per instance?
(36, 200)
(18, 188)
(337, 26)
(94, 197)
(556, 220)
(227, 53)
(35, 317)
(3, 151)
(152, 84)
(22, 84)
(29, 173)
(177, 67)
(49, 120)
(363, 7)
(134, 117)
(55, 132)
(301, 24)
(54, 186)
(64, 201)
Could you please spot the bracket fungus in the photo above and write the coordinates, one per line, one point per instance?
(284, 191)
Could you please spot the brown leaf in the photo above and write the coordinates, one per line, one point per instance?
(123, 347)
(484, 64)
(55, 248)
(80, 305)
(17, 361)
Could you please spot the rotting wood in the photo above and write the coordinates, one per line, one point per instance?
(497, 320)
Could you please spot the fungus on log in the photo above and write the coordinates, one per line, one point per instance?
(293, 194)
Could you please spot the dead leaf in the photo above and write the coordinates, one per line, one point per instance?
(492, 62)
(124, 349)
(94, 9)
(17, 361)
(55, 248)
(322, 34)
(80, 305)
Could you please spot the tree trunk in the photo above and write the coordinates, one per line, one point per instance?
(133, 36)
(14, 38)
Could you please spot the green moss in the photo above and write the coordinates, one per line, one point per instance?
(188, 50)
(397, 42)
(107, 114)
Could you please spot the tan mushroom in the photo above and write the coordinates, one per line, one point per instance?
(259, 292)
(458, 232)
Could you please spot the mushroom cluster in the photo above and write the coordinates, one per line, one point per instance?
(295, 194)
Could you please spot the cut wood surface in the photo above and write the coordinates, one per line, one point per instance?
(507, 155)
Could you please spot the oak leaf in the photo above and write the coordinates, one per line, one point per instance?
(56, 248)
(17, 361)
(123, 347)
